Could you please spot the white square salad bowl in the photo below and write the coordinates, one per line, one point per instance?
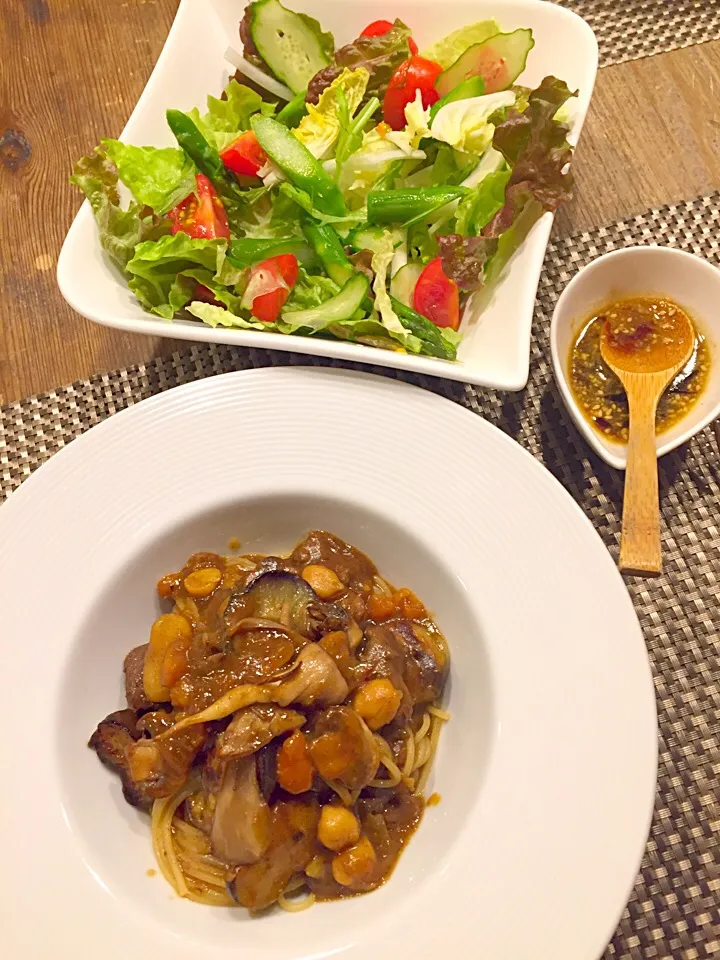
(495, 351)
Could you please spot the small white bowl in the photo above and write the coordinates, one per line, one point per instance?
(693, 283)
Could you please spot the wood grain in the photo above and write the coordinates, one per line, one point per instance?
(72, 71)
(652, 137)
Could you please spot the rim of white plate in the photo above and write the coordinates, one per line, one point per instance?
(553, 824)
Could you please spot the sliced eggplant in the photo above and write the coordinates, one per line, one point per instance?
(284, 598)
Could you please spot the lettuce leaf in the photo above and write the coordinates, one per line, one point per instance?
(446, 51)
(417, 126)
(380, 56)
(324, 37)
(158, 177)
(367, 331)
(157, 266)
(227, 118)
(525, 212)
(216, 316)
(535, 144)
(303, 199)
(466, 124)
(422, 245)
(381, 259)
(321, 127)
(478, 208)
(311, 290)
(464, 259)
(120, 230)
(265, 214)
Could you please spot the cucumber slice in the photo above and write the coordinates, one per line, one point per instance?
(340, 307)
(291, 44)
(367, 238)
(499, 61)
(473, 87)
(402, 285)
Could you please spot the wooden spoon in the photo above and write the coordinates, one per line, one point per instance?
(645, 356)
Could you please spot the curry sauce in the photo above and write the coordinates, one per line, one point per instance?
(598, 391)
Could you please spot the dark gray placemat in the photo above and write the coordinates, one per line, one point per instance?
(631, 29)
(674, 909)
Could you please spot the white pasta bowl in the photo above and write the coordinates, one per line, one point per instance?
(495, 351)
(690, 281)
(546, 768)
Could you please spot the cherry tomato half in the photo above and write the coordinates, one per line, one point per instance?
(414, 74)
(276, 277)
(379, 28)
(201, 214)
(437, 297)
(244, 156)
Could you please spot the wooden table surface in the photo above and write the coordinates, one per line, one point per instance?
(72, 71)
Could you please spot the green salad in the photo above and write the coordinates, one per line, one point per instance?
(357, 193)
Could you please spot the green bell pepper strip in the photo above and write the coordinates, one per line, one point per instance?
(326, 244)
(409, 206)
(423, 328)
(293, 112)
(298, 165)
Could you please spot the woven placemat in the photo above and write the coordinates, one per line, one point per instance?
(631, 29)
(674, 909)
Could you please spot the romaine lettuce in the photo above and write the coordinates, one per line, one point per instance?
(465, 124)
(156, 265)
(158, 177)
(120, 230)
(227, 118)
(321, 127)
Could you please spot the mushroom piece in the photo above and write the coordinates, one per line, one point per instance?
(343, 748)
(240, 832)
(133, 667)
(254, 727)
(316, 681)
(293, 844)
(408, 655)
(111, 740)
(351, 566)
(160, 765)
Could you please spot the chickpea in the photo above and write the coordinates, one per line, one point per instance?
(169, 632)
(338, 828)
(201, 583)
(377, 702)
(354, 865)
(324, 581)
